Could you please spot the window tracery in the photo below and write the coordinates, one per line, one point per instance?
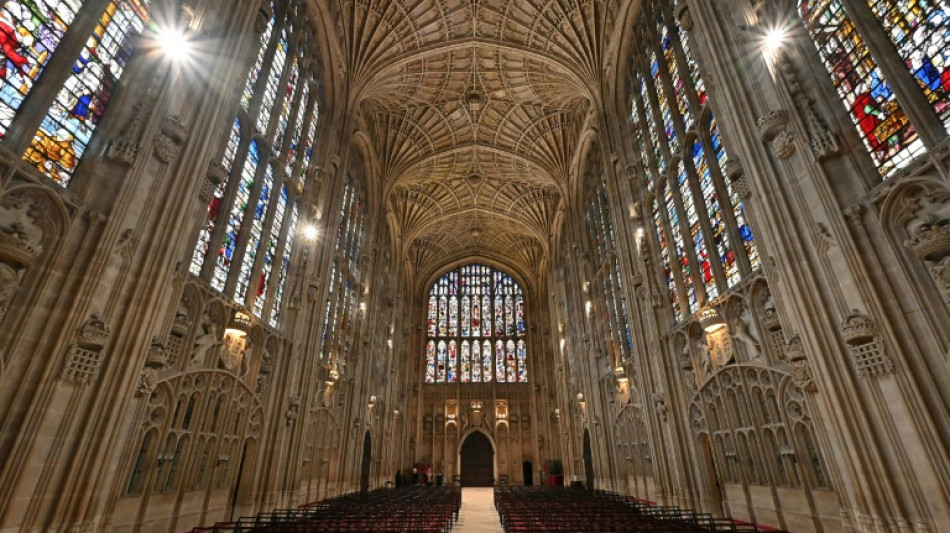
(30, 35)
(339, 320)
(919, 33)
(244, 247)
(607, 284)
(760, 428)
(705, 244)
(483, 342)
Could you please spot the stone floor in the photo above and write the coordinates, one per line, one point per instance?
(478, 514)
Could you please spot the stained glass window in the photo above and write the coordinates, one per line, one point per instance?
(273, 80)
(343, 302)
(462, 307)
(696, 213)
(214, 208)
(259, 62)
(29, 34)
(60, 142)
(260, 205)
(606, 290)
(236, 217)
(920, 31)
(882, 123)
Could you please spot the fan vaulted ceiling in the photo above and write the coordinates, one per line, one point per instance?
(475, 109)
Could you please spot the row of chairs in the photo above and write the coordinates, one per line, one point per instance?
(568, 510)
(406, 510)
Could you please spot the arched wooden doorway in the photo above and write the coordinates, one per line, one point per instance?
(478, 461)
(367, 461)
(588, 462)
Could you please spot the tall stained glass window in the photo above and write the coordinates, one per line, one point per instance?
(245, 244)
(67, 129)
(919, 33)
(30, 33)
(343, 298)
(463, 346)
(609, 304)
(705, 244)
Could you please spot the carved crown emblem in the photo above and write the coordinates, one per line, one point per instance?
(93, 331)
(795, 349)
(931, 241)
(857, 328)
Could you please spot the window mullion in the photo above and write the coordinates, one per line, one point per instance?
(37, 103)
(247, 220)
(906, 90)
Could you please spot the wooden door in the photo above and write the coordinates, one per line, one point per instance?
(478, 461)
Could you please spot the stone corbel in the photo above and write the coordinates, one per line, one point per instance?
(774, 131)
(168, 142)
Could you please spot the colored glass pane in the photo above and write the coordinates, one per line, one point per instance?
(696, 234)
(294, 145)
(258, 215)
(651, 127)
(698, 85)
(286, 107)
(522, 362)
(466, 320)
(65, 132)
(255, 72)
(465, 372)
(680, 249)
(311, 138)
(887, 133)
(284, 267)
(273, 80)
(920, 31)
(214, 208)
(476, 362)
(720, 236)
(452, 363)
(270, 252)
(440, 366)
(463, 304)
(433, 315)
(236, 218)
(500, 361)
(745, 232)
(665, 259)
(29, 34)
(666, 116)
(430, 362)
(679, 87)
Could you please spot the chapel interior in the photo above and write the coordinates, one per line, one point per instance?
(256, 254)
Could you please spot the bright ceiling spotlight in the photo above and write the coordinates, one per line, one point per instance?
(309, 232)
(775, 39)
(174, 43)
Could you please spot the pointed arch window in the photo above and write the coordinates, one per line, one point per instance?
(705, 244)
(245, 244)
(341, 309)
(606, 285)
(30, 36)
(919, 35)
(463, 346)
